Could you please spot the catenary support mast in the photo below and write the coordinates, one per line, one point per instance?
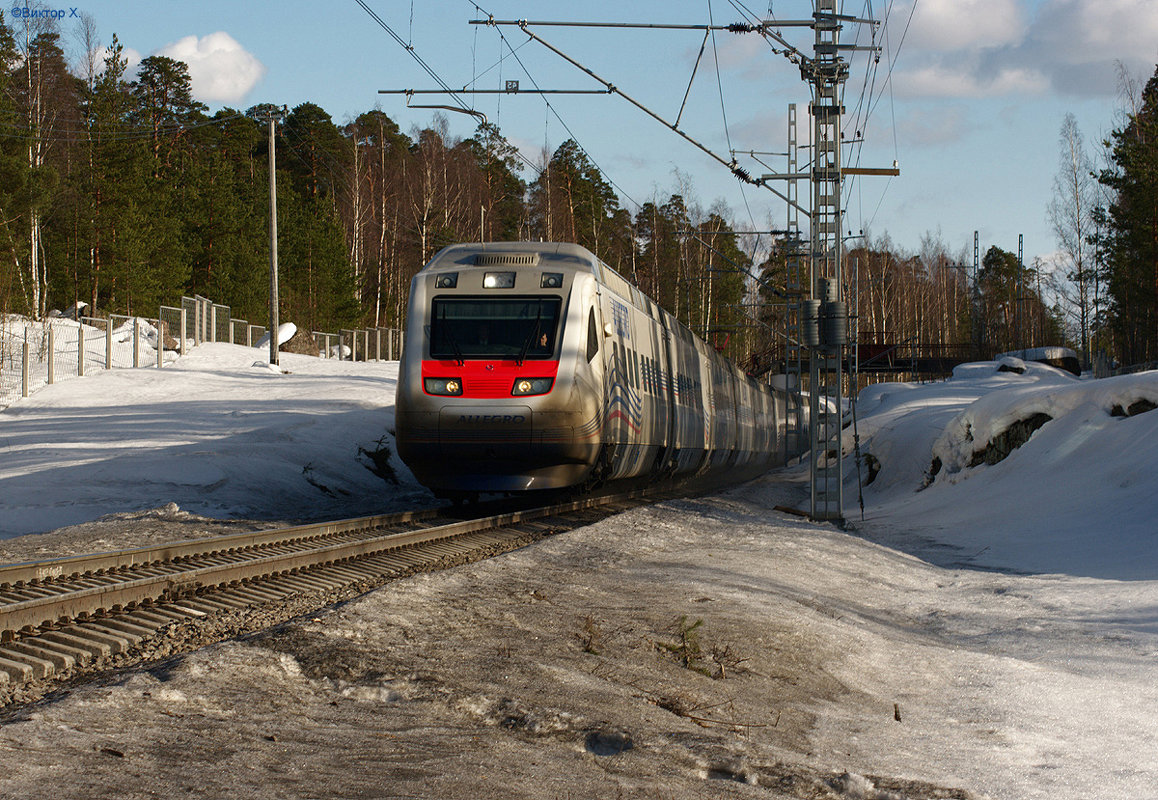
(827, 72)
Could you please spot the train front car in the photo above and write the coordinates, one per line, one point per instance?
(496, 393)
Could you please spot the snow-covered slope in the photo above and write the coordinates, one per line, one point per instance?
(1078, 497)
(219, 433)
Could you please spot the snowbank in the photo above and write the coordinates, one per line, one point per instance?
(1076, 497)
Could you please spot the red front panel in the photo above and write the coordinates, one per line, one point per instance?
(488, 380)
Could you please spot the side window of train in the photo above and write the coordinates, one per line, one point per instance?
(592, 337)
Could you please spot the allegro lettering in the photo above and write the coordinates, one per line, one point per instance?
(510, 418)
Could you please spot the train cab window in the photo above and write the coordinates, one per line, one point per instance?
(592, 337)
(493, 327)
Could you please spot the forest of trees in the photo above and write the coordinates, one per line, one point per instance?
(121, 191)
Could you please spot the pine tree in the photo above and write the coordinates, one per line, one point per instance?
(320, 287)
(1133, 236)
(44, 94)
(571, 201)
(112, 178)
(164, 105)
(224, 216)
(501, 189)
(13, 177)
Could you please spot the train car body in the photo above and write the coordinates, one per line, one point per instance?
(534, 365)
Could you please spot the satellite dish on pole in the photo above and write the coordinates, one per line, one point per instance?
(285, 332)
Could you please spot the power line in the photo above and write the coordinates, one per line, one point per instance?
(16, 130)
(719, 81)
(410, 49)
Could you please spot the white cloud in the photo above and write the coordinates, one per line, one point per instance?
(132, 59)
(982, 48)
(1079, 42)
(1087, 31)
(220, 69)
(967, 80)
(947, 25)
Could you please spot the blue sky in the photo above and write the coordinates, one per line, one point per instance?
(972, 110)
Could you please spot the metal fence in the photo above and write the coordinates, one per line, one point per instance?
(367, 344)
(40, 353)
(35, 354)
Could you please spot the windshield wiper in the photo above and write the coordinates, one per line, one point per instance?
(531, 338)
(453, 342)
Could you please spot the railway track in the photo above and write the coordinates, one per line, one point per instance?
(63, 618)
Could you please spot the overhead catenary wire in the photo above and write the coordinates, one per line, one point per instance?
(553, 111)
(719, 80)
(792, 53)
(17, 130)
(413, 53)
(754, 24)
(887, 83)
(409, 48)
(732, 166)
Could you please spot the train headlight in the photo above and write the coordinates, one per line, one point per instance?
(498, 280)
(551, 280)
(448, 280)
(526, 386)
(442, 386)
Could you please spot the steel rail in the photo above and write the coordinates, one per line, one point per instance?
(34, 572)
(94, 600)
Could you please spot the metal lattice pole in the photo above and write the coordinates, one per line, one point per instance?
(827, 73)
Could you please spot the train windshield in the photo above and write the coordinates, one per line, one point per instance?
(491, 327)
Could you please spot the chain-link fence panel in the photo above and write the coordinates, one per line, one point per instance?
(11, 364)
(355, 344)
(219, 323)
(328, 345)
(170, 327)
(98, 342)
(239, 332)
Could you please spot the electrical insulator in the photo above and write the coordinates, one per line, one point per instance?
(810, 324)
(834, 324)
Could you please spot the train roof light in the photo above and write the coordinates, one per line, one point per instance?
(499, 280)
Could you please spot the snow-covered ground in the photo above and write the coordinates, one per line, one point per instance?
(218, 432)
(1078, 498)
(1009, 610)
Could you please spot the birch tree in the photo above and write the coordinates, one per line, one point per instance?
(1071, 214)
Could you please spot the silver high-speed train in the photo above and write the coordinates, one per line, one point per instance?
(532, 365)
